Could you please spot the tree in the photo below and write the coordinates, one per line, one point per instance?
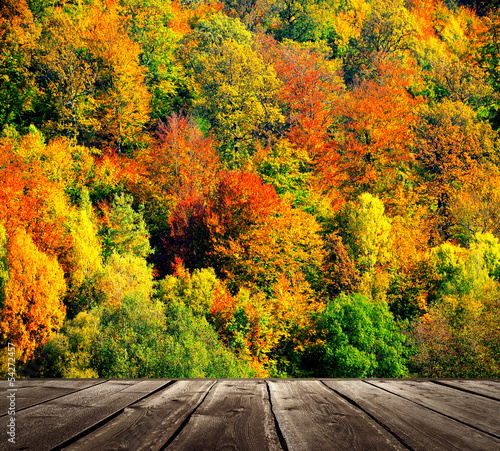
(4, 273)
(255, 236)
(154, 340)
(288, 168)
(68, 75)
(125, 230)
(237, 90)
(339, 269)
(462, 80)
(196, 290)
(358, 338)
(476, 206)
(125, 275)
(370, 230)
(31, 198)
(18, 35)
(149, 23)
(490, 60)
(458, 337)
(270, 331)
(373, 139)
(409, 268)
(189, 161)
(255, 14)
(33, 308)
(388, 32)
(453, 148)
(86, 259)
(123, 105)
(310, 89)
(69, 353)
(86, 244)
(295, 20)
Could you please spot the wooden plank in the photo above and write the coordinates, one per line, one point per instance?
(50, 424)
(489, 388)
(416, 426)
(476, 411)
(149, 423)
(35, 391)
(234, 415)
(312, 417)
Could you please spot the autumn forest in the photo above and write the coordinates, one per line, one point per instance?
(250, 188)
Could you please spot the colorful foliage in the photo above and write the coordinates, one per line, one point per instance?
(250, 188)
(33, 308)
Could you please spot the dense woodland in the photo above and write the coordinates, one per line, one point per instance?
(254, 188)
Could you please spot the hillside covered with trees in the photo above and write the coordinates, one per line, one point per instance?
(250, 188)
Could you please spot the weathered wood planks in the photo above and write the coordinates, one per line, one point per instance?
(30, 392)
(150, 423)
(488, 388)
(256, 414)
(418, 427)
(467, 408)
(312, 417)
(45, 426)
(236, 415)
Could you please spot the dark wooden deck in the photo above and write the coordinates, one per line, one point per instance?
(256, 415)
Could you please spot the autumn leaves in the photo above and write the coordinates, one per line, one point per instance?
(295, 189)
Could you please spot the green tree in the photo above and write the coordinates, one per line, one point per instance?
(148, 24)
(358, 338)
(69, 353)
(18, 35)
(125, 230)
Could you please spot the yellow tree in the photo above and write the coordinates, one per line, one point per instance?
(85, 258)
(125, 276)
(237, 90)
(69, 76)
(33, 309)
(370, 230)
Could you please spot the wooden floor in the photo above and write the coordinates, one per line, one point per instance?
(255, 415)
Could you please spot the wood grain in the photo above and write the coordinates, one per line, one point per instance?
(471, 409)
(45, 426)
(35, 391)
(149, 423)
(236, 415)
(305, 415)
(489, 388)
(417, 426)
(312, 417)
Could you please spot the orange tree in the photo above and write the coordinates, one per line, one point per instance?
(374, 134)
(255, 236)
(33, 308)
